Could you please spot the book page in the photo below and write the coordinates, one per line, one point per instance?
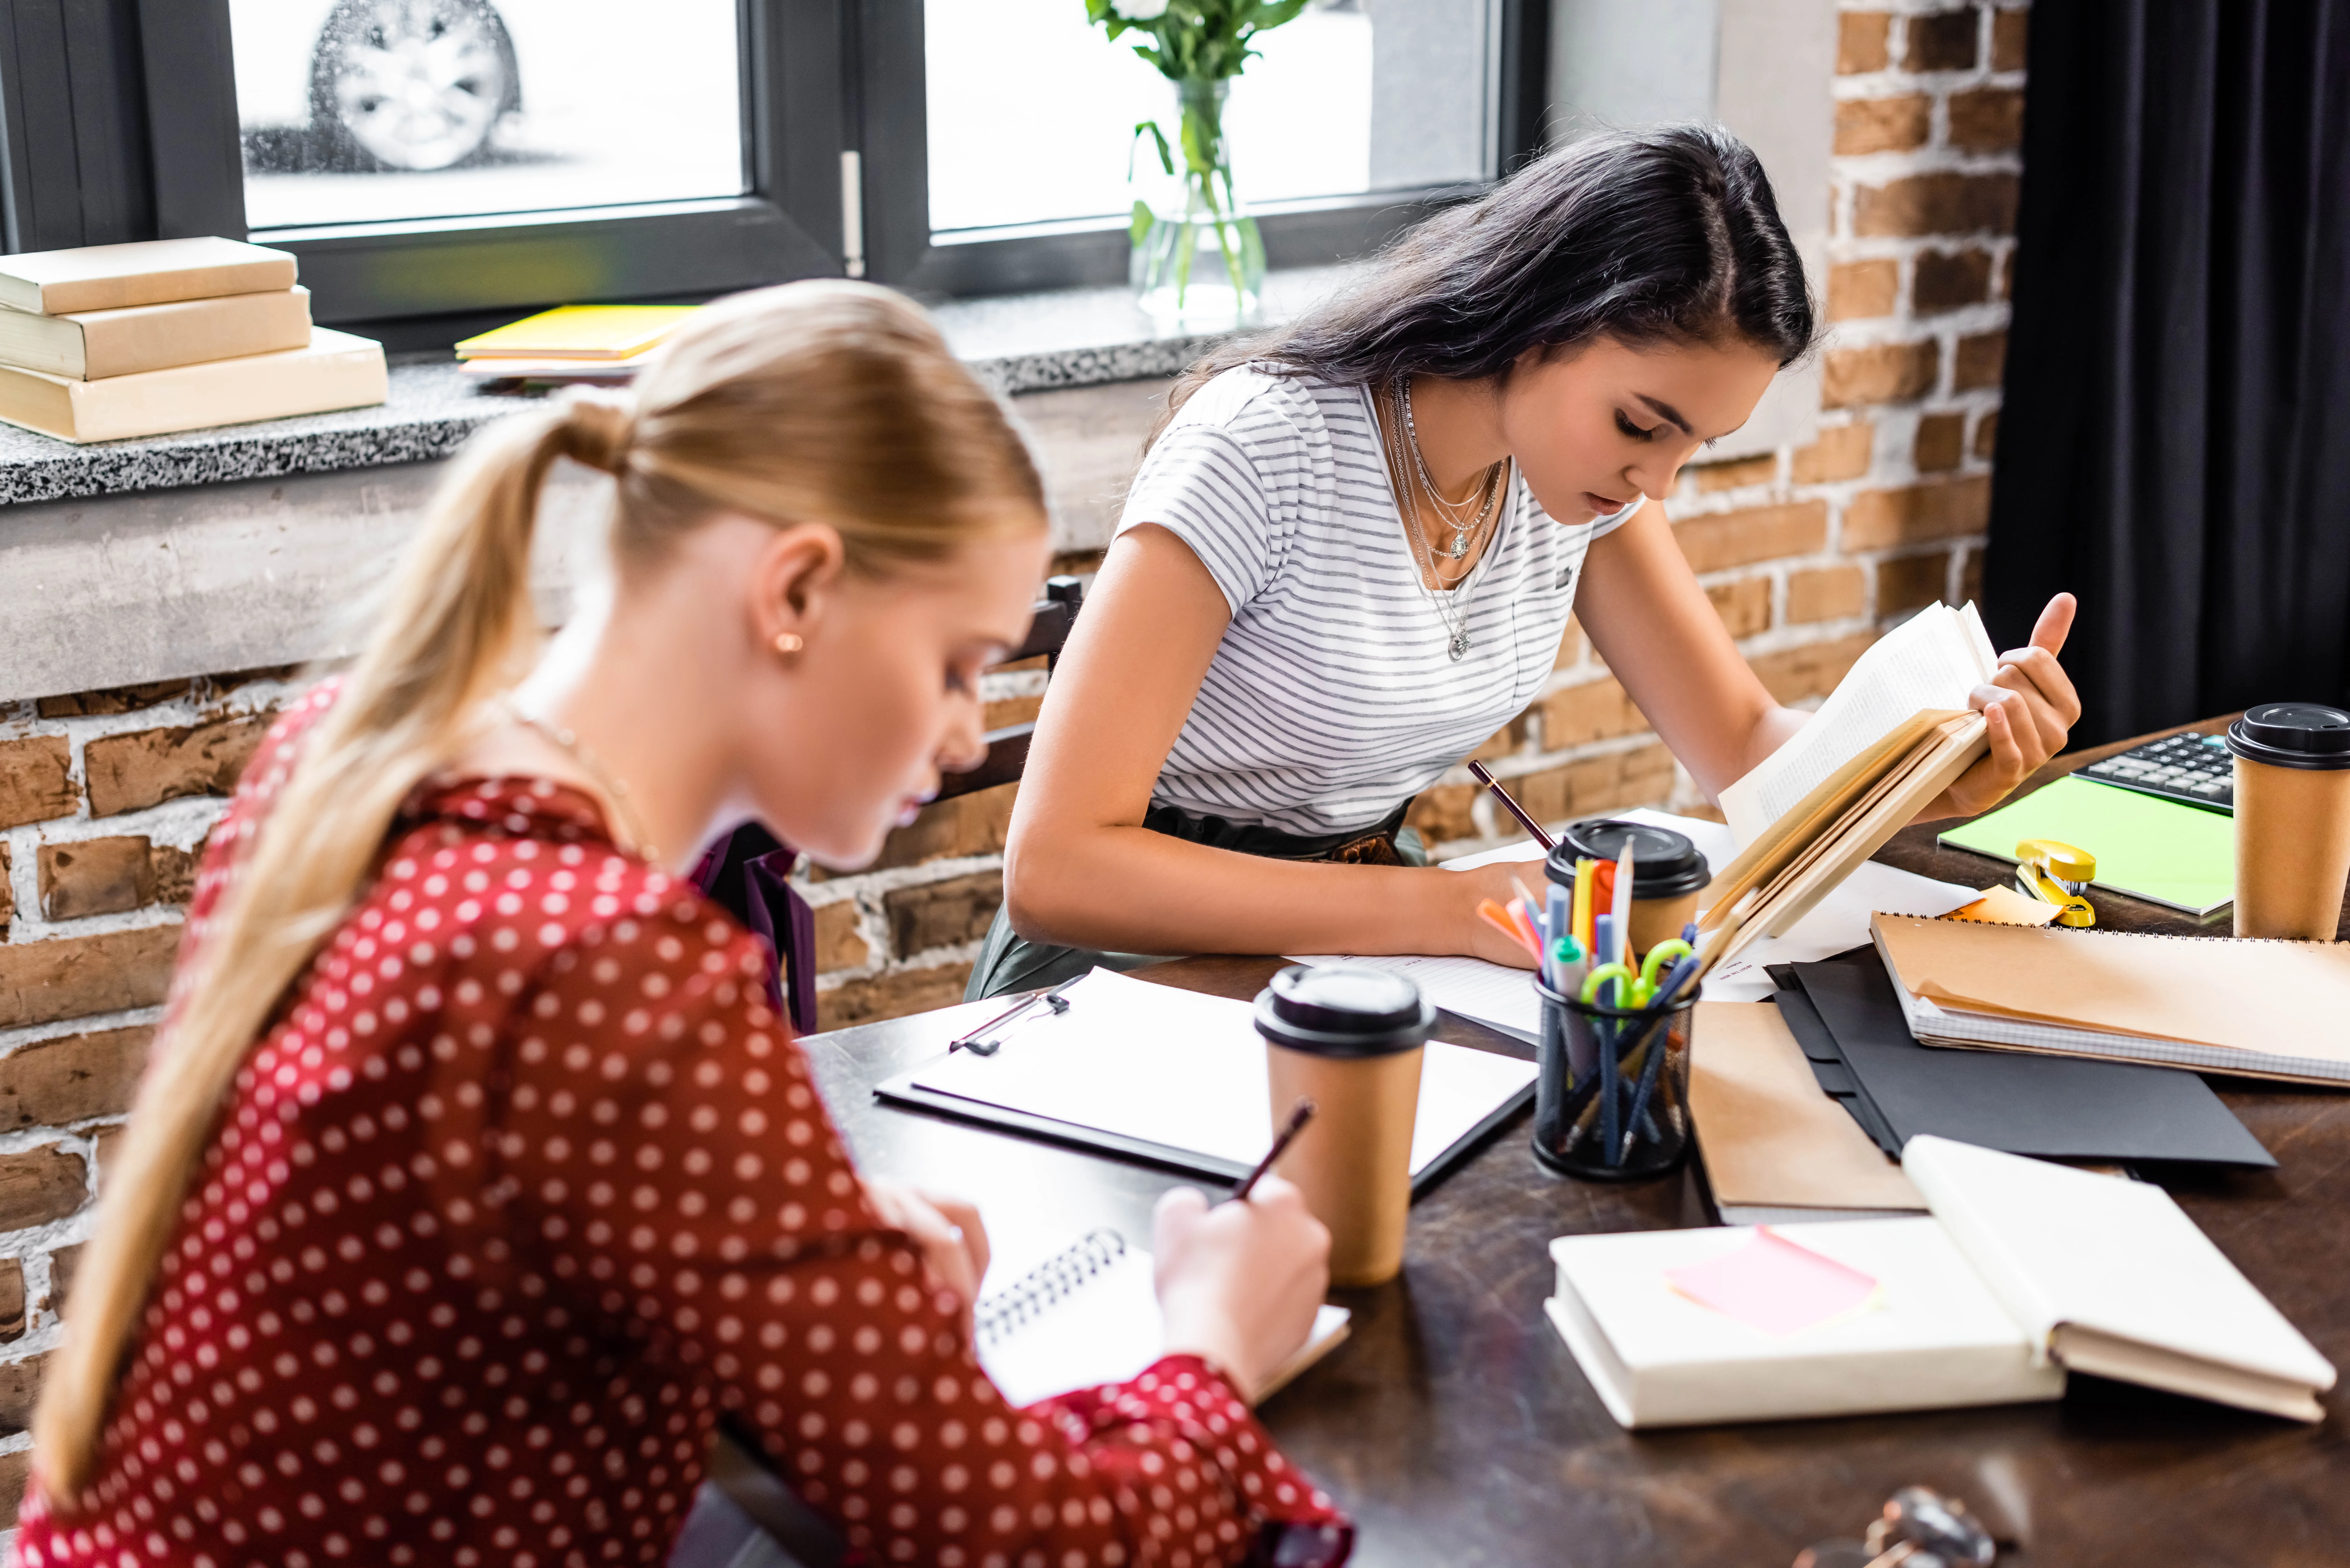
(1933, 660)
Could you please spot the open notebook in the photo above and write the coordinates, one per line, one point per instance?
(1153, 1072)
(1089, 1315)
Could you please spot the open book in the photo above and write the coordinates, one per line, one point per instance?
(1891, 737)
(2024, 1269)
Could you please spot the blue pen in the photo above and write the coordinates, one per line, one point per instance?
(1554, 926)
(1689, 933)
(1660, 1042)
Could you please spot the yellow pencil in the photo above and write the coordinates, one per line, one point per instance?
(1583, 886)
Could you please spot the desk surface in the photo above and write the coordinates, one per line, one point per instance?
(1457, 1429)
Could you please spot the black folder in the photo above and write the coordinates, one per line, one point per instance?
(2055, 1107)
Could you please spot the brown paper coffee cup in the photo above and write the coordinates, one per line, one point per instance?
(1353, 1161)
(2292, 819)
(2293, 851)
(1657, 920)
(1350, 1039)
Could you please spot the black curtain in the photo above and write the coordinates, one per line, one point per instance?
(2174, 444)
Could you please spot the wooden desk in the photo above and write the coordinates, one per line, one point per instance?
(1458, 1431)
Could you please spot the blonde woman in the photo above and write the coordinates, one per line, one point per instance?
(473, 1179)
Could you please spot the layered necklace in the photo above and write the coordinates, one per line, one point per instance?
(1472, 521)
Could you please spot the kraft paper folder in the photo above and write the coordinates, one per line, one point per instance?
(2260, 1008)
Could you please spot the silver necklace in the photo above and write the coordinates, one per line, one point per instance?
(1453, 612)
(1468, 516)
(610, 782)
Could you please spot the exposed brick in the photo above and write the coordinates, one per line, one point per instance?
(1987, 435)
(62, 1264)
(1829, 594)
(1970, 577)
(943, 914)
(1743, 605)
(1857, 290)
(147, 767)
(95, 876)
(20, 1387)
(16, 1471)
(1714, 476)
(222, 685)
(1948, 279)
(1879, 373)
(7, 892)
(839, 943)
(891, 995)
(1726, 539)
(1938, 204)
(1504, 741)
(1841, 453)
(12, 1298)
(1911, 582)
(175, 872)
(1006, 711)
(1861, 42)
(1595, 710)
(967, 825)
(73, 977)
(2004, 284)
(34, 782)
(1981, 360)
(1643, 776)
(1865, 125)
(38, 1185)
(118, 699)
(1941, 442)
(1570, 647)
(2009, 32)
(1946, 41)
(1987, 120)
(1794, 673)
(71, 1079)
(1917, 514)
(1442, 813)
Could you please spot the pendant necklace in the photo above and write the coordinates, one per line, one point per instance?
(1464, 518)
(1450, 610)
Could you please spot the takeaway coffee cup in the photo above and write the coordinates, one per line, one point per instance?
(2292, 819)
(1668, 873)
(1349, 1039)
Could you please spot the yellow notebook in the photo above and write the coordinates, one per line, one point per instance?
(580, 332)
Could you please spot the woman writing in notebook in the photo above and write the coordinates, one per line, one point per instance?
(473, 1180)
(1351, 553)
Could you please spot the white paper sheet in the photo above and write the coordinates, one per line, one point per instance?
(1188, 1071)
(1504, 998)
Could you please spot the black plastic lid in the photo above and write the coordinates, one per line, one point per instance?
(1346, 1010)
(1665, 864)
(2293, 735)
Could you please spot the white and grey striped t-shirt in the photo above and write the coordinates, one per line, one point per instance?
(1331, 698)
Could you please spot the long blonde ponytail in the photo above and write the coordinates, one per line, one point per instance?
(829, 400)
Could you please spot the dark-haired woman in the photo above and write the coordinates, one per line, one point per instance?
(1351, 553)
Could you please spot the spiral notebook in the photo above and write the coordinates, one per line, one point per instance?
(1089, 1315)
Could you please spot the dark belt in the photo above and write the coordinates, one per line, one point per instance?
(1374, 846)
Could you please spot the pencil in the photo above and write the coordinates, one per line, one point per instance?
(1528, 823)
(1299, 1115)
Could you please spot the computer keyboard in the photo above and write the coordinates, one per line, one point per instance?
(2193, 770)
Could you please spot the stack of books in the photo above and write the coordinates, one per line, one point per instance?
(112, 341)
(593, 344)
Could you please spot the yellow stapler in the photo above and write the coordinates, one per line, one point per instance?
(2057, 873)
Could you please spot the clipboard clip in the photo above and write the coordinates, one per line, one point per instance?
(988, 1038)
(2057, 873)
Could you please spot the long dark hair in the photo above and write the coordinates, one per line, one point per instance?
(1667, 234)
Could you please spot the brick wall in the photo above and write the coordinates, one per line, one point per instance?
(105, 799)
(1807, 553)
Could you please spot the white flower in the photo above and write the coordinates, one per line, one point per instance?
(1140, 10)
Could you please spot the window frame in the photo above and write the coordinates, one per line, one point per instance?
(894, 134)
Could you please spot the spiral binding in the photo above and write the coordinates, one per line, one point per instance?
(1027, 1299)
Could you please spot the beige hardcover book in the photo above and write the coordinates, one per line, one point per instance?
(145, 272)
(336, 370)
(92, 345)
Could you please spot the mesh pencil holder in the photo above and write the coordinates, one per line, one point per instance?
(1611, 1103)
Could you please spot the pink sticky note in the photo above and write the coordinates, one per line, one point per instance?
(1775, 1285)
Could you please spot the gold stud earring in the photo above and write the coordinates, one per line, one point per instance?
(789, 642)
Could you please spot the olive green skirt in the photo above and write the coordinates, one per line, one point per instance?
(1009, 961)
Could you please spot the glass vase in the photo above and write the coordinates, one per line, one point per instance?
(1198, 258)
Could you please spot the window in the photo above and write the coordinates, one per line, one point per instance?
(440, 163)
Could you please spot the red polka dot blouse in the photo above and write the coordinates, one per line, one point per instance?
(524, 1191)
